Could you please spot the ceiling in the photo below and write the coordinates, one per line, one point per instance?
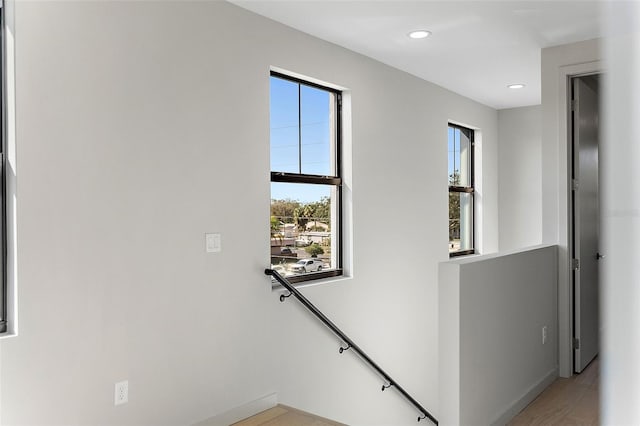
(476, 49)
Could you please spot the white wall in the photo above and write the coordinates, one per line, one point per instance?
(621, 218)
(143, 125)
(558, 64)
(520, 177)
(492, 310)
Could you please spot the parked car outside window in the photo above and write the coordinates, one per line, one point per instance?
(286, 251)
(307, 265)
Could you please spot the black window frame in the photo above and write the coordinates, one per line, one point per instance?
(335, 180)
(3, 204)
(470, 133)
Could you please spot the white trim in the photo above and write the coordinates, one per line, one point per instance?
(520, 403)
(241, 412)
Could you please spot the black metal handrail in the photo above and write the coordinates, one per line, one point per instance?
(389, 382)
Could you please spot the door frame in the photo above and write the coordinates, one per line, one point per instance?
(571, 203)
(565, 283)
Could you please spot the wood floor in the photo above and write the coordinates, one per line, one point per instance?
(281, 415)
(573, 401)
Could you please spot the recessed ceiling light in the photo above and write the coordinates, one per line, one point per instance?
(419, 34)
(516, 86)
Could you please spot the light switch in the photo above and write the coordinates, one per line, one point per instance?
(214, 243)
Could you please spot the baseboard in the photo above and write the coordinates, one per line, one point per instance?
(241, 412)
(519, 404)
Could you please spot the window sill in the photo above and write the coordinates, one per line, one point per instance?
(275, 286)
(8, 335)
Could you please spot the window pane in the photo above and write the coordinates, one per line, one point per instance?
(303, 224)
(460, 221)
(316, 114)
(459, 157)
(285, 148)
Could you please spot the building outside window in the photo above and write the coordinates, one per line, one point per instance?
(461, 190)
(306, 223)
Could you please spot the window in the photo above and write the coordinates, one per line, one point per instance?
(461, 191)
(306, 219)
(3, 245)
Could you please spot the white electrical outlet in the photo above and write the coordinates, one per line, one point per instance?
(122, 393)
(544, 334)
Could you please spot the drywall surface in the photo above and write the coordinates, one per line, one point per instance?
(583, 57)
(520, 177)
(492, 310)
(558, 64)
(620, 183)
(449, 342)
(140, 127)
